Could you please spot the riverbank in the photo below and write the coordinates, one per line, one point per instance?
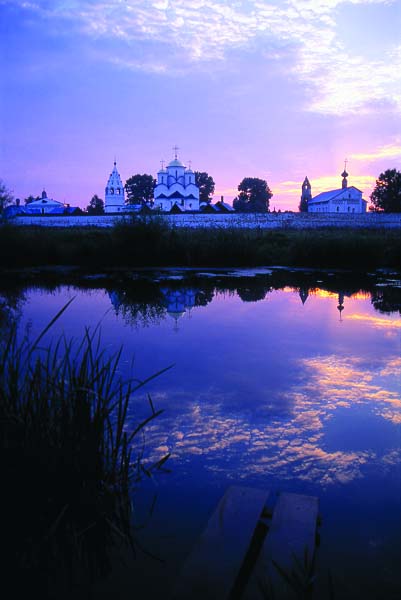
(153, 243)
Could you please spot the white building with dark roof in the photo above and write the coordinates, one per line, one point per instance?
(44, 206)
(343, 200)
(176, 187)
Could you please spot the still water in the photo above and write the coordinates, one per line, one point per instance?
(280, 379)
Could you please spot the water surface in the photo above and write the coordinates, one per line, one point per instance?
(281, 379)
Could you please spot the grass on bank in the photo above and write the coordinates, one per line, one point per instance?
(68, 469)
(147, 242)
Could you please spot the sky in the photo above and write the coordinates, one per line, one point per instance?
(245, 88)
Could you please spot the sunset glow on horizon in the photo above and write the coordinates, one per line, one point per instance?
(252, 88)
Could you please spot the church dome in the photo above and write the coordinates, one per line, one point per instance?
(175, 163)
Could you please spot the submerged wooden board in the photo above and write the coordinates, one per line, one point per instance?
(211, 569)
(293, 529)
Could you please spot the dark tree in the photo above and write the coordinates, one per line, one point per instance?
(31, 199)
(205, 183)
(6, 196)
(95, 206)
(254, 195)
(140, 188)
(303, 205)
(386, 197)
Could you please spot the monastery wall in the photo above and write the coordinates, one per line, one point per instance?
(263, 221)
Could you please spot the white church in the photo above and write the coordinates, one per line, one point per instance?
(176, 187)
(343, 200)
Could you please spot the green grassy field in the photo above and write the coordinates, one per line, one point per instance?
(146, 244)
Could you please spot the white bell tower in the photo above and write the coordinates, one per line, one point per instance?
(114, 200)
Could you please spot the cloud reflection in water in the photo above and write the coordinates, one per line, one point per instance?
(239, 444)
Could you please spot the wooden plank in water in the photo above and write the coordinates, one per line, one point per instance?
(293, 529)
(211, 569)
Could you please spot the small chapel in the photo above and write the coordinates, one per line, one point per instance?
(347, 199)
(176, 188)
(44, 206)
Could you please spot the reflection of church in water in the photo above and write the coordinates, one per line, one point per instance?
(178, 302)
(156, 304)
(304, 294)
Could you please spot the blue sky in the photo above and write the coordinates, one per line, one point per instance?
(277, 90)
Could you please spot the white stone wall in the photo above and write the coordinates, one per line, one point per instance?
(263, 221)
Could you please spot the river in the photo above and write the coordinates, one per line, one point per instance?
(281, 379)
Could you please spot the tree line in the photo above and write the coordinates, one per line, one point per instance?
(254, 193)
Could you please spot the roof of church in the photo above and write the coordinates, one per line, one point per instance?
(43, 201)
(114, 179)
(223, 205)
(175, 163)
(331, 194)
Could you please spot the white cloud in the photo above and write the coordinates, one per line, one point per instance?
(186, 34)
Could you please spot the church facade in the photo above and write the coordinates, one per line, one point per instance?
(44, 206)
(343, 200)
(176, 188)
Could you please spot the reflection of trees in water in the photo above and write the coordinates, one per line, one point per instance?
(142, 300)
(151, 303)
(203, 297)
(139, 304)
(387, 299)
(10, 310)
(142, 313)
(253, 293)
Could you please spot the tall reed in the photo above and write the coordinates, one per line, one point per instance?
(68, 468)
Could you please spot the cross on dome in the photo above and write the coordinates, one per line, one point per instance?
(344, 175)
(175, 150)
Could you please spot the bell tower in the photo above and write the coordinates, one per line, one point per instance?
(306, 195)
(114, 200)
